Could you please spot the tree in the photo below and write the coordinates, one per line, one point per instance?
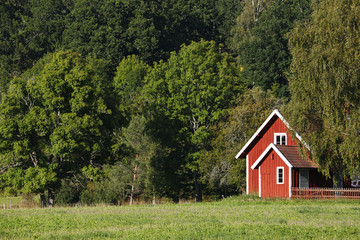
(113, 29)
(143, 148)
(246, 20)
(12, 49)
(227, 12)
(55, 119)
(265, 56)
(324, 84)
(196, 87)
(222, 173)
(28, 30)
(99, 28)
(46, 26)
(128, 82)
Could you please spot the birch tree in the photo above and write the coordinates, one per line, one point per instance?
(325, 84)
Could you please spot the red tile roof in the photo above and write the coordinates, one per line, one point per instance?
(293, 155)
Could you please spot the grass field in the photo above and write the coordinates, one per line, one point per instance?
(232, 218)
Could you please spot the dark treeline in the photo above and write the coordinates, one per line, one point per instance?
(119, 100)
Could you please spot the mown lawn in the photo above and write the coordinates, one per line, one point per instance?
(233, 218)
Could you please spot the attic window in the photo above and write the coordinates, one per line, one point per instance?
(280, 175)
(280, 138)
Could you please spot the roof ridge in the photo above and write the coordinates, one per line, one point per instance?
(275, 113)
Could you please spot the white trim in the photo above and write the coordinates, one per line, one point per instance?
(258, 131)
(247, 174)
(259, 182)
(280, 135)
(277, 113)
(271, 146)
(290, 181)
(277, 175)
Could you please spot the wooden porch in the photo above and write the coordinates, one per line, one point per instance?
(325, 193)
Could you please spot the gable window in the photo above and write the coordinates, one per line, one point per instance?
(280, 175)
(280, 138)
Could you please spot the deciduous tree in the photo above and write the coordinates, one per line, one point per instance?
(128, 83)
(325, 84)
(222, 173)
(196, 86)
(54, 120)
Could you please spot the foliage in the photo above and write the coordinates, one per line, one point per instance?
(52, 120)
(246, 20)
(143, 149)
(143, 83)
(223, 173)
(264, 53)
(324, 107)
(109, 29)
(28, 30)
(196, 86)
(97, 27)
(12, 49)
(114, 188)
(68, 193)
(150, 29)
(128, 82)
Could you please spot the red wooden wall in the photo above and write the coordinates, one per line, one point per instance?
(295, 177)
(268, 170)
(274, 126)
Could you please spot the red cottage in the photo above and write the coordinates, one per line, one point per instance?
(274, 164)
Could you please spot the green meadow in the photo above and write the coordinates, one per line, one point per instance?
(232, 218)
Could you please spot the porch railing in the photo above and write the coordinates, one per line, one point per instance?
(325, 193)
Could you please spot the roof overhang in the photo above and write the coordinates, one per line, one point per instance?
(250, 143)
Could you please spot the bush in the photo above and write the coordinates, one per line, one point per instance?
(68, 193)
(114, 189)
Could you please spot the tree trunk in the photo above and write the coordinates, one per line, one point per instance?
(51, 197)
(42, 200)
(198, 193)
(175, 198)
(338, 178)
(133, 185)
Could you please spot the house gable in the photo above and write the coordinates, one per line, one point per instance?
(273, 126)
(274, 130)
(289, 154)
(265, 153)
(275, 175)
(260, 132)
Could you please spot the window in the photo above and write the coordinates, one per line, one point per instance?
(280, 175)
(280, 138)
(304, 178)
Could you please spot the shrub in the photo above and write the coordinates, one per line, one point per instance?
(68, 193)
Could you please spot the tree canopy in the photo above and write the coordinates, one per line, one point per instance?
(263, 49)
(324, 84)
(102, 100)
(54, 120)
(196, 86)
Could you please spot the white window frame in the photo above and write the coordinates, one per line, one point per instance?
(277, 175)
(280, 135)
